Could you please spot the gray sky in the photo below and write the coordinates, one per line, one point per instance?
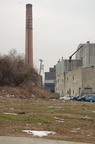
(59, 26)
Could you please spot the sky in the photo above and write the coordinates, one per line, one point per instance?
(59, 26)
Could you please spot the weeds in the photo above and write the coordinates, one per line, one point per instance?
(71, 120)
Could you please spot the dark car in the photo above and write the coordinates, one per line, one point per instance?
(84, 97)
(76, 97)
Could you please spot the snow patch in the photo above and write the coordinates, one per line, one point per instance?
(39, 133)
(10, 113)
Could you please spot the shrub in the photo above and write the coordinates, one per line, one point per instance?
(14, 72)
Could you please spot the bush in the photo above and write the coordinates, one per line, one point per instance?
(14, 72)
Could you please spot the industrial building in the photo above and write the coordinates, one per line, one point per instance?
(87, 54)
(76, 76)
(49, 82)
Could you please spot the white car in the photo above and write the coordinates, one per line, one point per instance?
(67, 97)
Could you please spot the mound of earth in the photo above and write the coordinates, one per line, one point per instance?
(21, 92)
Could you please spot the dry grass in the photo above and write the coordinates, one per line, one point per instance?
(72, 120)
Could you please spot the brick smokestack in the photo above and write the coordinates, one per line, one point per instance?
(29, 37)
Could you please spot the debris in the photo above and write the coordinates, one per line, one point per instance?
(86, 117)
(59, 119)
(75, 130)
(39, 124)
(51, 107)
(11, 108)
(21, 113)
(88, 135)
(8, 95)
(54, 107)
(63, 101)
(1, 96)
(56, 118)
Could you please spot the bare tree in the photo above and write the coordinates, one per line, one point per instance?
(14, 72)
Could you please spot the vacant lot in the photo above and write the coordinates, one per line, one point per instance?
(72, 120)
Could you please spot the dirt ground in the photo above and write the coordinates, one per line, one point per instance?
(22, 110)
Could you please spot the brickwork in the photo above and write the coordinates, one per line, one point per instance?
(29, 37)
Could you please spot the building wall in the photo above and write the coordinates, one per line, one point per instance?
(69, 83)
(87, 54)
(75, 82)
(59, 85)
(67, 65)
(49, 81)
(77, 76)
(62, 68)
(88, 76)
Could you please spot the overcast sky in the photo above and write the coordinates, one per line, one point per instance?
(59, 26)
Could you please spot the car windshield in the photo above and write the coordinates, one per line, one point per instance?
(86, 96)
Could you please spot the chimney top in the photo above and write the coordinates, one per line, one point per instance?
(88, 41)
(28, 5)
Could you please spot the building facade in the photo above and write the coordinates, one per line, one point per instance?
(86, 54)
(49, 81)
(77, 76)
(62, 67)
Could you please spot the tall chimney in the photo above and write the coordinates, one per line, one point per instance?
(29, 37)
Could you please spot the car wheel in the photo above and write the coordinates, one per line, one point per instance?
(91, 101)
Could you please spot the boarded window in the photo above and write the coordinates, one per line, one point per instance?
(87, 90)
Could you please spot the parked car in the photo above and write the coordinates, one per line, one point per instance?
(90, 99)
(67, 97)
(76, 97)
(84, 97)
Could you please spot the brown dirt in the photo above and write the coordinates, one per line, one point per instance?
(36, 111)
(25, 92)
